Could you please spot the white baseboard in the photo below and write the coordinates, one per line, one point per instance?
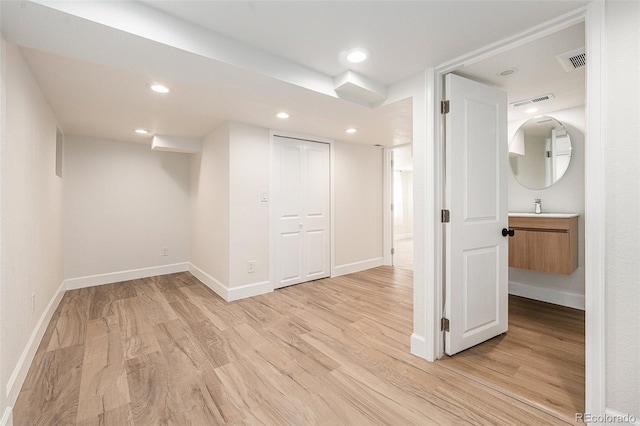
(206, 279)
(563, 298)
(16, 380)
(350, 268)
(418, 345)
(133, 274)
(403, 236)
(7, 417)
(249, 290)
(233, 293)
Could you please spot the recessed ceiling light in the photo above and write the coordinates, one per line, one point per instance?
(508, 71)
(351, 130)
(282, 115)
(356, 55)
(531, 110)
(141, 131)
(159, 88)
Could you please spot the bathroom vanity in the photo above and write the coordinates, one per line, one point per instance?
(546, 242)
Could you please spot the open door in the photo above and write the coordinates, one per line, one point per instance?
(476, 265)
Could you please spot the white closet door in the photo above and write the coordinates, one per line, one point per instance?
(301, 202)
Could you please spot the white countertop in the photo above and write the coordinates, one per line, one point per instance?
(545, 215)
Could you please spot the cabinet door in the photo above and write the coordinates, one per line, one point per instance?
(519, 249)
(539, 250)
(548, 251)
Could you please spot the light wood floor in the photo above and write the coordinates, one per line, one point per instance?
(167, 350)
(540, 359)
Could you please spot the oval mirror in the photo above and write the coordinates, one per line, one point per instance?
(540, 152)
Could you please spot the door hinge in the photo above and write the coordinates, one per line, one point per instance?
(392, 163)
(444, 107)
(445, 216)
(391, 207)
(393, 251)
(444, 324)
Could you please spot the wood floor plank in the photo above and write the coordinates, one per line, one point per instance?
(103, 386)
(154, 398)
(167, 350)
(71, 323)
(54, 398)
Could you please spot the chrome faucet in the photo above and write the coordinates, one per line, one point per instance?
(538, 204)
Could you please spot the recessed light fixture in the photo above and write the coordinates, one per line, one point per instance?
(356, 55)
(141, 131)
(351, 130)
(531, 110)
(282, 115)
(159, 88)
(508, 71)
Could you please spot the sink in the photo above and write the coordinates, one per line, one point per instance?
(547, 215)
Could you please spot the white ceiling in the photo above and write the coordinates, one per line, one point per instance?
(538, 73)
(244, 61)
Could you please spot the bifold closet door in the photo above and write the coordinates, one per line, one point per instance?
(301, 204)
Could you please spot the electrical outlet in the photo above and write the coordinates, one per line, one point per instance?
(165, 251)
(251, 266)
(33, 302)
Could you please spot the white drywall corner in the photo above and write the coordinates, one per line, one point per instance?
(176, 144)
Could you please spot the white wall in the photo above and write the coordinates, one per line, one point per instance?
(566, 196)
(123, 204)
(249, 217)
(209, 207)
(622, 180)
(230, 225)
(32, 213)
(358, 190)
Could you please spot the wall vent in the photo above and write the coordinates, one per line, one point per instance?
(530, 101)
(573, 60)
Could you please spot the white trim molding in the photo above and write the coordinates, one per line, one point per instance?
(206, 279)
(418, 345)
(595, 203)
(549, 295)
(363, 265)
(230, 294)
(7, 417)
(116, 277)
(249, 290)
(16, 380)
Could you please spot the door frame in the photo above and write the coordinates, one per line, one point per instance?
(272, 212)
(593, 15)
(387, 201)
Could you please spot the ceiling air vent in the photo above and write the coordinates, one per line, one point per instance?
(573, 60)
(530, 101)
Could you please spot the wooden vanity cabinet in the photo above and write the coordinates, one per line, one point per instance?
(544, 244)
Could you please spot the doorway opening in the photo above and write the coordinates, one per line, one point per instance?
(541, 359)
(402, 207)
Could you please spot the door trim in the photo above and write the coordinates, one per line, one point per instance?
(387, 200)
(272, 228)
(594, 17)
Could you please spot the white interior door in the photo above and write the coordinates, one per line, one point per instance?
(301, 205)
(476, 265)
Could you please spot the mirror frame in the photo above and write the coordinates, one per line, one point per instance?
(549, 155)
